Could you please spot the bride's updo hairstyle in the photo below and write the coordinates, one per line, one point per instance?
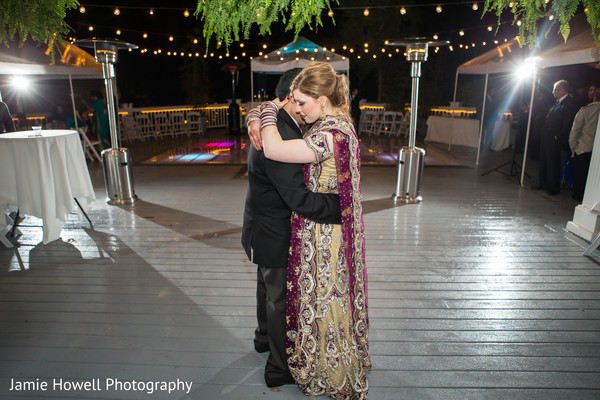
(320, 79)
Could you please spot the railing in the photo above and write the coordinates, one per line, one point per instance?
(145, 122)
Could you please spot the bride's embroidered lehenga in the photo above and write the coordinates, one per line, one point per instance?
(327, 320)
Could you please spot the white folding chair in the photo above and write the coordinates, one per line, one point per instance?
(195, 122)
(162, 124)
(88, 145)
(144, 126)
(128, 128)
(179, 125)
(386, 123)
(368, 119)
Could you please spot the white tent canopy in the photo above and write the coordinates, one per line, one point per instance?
(580, 48)
(30, 59)
(297, 54)
(35, 61)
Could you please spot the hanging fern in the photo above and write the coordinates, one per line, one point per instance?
(230, 20)
(40, 20)
(531, 12)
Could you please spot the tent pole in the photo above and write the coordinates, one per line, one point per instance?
(251, 88)
(452, 113)
(455, 86)
(528, 125)
(73, 102)
(482, 118)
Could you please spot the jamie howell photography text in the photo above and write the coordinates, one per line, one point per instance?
(22, 385)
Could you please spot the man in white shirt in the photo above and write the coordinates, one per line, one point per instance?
(581, 141)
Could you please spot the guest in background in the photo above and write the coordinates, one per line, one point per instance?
(585, 95)
(581, 141)
(101, 126)
(355, 106)
(491, 116)
(58, 117)
(6, 121)
(22, 122)
(555, 137)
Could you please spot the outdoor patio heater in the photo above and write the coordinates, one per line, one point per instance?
(234, 108)
(116, 160)
(411, 159)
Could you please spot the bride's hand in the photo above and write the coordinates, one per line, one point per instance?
(281, 103)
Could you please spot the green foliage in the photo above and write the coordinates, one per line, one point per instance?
(230, 20)
(532, 12)
(39, 20)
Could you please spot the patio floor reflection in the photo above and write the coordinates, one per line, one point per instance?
(227, 149)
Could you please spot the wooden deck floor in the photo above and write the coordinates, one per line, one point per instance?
(476, 293)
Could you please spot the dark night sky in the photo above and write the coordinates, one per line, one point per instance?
(146, 79)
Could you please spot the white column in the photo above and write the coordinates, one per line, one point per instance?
(586, 222)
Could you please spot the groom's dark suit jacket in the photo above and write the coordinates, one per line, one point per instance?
(274, 190)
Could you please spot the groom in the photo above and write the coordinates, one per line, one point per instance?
(274, 190)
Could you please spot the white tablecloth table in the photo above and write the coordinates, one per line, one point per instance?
(465, 132)
(459, 131)
(42, 176)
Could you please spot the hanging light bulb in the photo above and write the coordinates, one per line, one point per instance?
(91, 28)
(403, 11)
(511, 4)
(519, 23)
(475, 6)
(145, 35)
(551, 17)
(366, 12)
(438, 9)
(186, 13)
(151, 12)
(461, 33)
(170, 38)
(330, 13)
(489, 28)
(118, 31)
(82, 9)
(264, 46)
(117, 11)
(435, 37)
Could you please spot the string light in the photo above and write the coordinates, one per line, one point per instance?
(170, 38)
(475, 6)
(519, 23)
(366, 12)
(118, 31)
(461, 33)
(489, 28)
(511, 4)
(186, 13)
(91, 28)
(438, 9)
(82, 9)
(403, 11)
(117, 11)
(151, 12)
(330, 13)
(435, 37)
(551, 17)
(366, 44)
(241, 44)
(195, 41)
(145, 35)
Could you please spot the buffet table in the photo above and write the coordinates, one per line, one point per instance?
(465, 132)
(41, 175)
